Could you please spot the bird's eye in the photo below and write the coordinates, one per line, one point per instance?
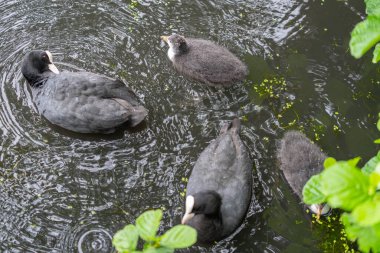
(45, 57)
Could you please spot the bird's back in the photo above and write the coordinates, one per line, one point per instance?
(75, 84)
(210, 63)
(225, 167)
(86, 102)
(299, 159)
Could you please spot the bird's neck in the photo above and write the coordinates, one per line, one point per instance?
(36, 81)
(173, 52)
(216, 217)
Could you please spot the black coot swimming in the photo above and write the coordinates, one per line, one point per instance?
(80, 101)
(219, 189)
(300, 159)
(205, 61)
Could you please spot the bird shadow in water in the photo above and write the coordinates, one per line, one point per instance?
(117, 134)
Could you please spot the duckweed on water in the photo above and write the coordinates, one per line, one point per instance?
(273, 92)
(133, 4)
(332, 234)
(344, 185)
(272, 87)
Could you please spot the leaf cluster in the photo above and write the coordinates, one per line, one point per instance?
(366, 34)
(342, 184)
(147, 225)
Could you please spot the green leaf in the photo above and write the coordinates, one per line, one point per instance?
(367, 214)
(372, 7)
(125, 240)
(158, 250)
(148, 223)
(368, 237)
(370, 166)
(377, 141)
(344, 186)
(178, 237)
(312, 191)
(374, 180)
(378, 123)
(376, 57)
(329, 162)
(364, 36)
(354, 161)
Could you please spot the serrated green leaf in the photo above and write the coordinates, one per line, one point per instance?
(374, 180)
(311, 192)
(364, 36)
(158, 250)
(367, 214)
(178, 237)
(329, 162)
(372, 7)
(125, 240)
(377, 141)
(376, 55)
(370, 166)
(367, 237)
(148, 223)
(344, 186)
(354, 161)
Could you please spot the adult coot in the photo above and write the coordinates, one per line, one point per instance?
(300, 159)
(205, 61)
(220, 186)
(81, 102)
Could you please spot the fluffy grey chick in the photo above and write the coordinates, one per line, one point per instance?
(204, 61)
(300, 159)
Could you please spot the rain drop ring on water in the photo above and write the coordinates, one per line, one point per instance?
(95, 240)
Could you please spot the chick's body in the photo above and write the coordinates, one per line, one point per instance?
(209, 63)
(300, 160)
(204, 61)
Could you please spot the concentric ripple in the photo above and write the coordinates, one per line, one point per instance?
(67, 192)
(89, 238)
(96, 240)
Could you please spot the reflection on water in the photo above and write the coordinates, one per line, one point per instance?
(64, 192)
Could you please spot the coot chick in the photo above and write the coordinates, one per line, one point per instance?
(80, 101)
(205, 61)
(219, 187)
(300, 159)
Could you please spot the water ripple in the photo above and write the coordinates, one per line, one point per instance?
(67, 192)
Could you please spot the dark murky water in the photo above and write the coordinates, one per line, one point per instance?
(61, 192)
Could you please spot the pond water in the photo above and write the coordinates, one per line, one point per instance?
(65, 192)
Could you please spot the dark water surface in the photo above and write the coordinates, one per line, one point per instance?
(64, 192)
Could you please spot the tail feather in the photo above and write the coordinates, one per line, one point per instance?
(234, 126)
(137, 116)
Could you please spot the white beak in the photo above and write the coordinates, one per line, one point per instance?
(320, 209)
(189, 208)
(51, 66)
